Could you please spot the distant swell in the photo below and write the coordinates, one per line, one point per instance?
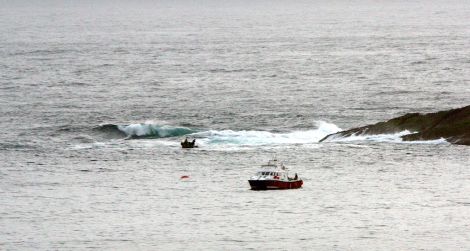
(16, 146)
(144, 130)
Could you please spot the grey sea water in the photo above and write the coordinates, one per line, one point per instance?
(96, 95)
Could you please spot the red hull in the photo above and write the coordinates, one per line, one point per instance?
(274, 184)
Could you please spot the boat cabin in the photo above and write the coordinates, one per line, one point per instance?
(272, 174)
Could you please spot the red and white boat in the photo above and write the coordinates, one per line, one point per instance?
(274, 175)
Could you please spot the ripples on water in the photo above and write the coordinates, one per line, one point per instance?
(249, 81)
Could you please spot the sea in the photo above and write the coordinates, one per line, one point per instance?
(96, 96)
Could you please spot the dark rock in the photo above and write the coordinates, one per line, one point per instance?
(452, 125)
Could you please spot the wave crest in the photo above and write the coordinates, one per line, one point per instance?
(147, 130)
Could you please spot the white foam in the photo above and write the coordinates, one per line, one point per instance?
(135, 129)
(150, 129)
(435, 141)
(231, 137)
(396, 137)
(84, 146)
(392, 138)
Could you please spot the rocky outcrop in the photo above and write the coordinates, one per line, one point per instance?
(452, 125)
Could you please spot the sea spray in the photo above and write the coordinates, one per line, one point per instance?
(391, 138)
(152, 130)
(252, 137)
(146, 130)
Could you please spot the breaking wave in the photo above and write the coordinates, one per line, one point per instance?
(144, 130)
(391, 138)
(219, 137)
(264, 137)
(249, 137)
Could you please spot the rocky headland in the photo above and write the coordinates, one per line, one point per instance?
(452, 125)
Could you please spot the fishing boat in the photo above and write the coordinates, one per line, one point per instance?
(274, 175)
(188, 144)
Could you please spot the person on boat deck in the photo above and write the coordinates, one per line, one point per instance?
(186, 140)
(296, 177)
(194, 141)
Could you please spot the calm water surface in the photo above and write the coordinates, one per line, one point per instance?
(96, 95)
